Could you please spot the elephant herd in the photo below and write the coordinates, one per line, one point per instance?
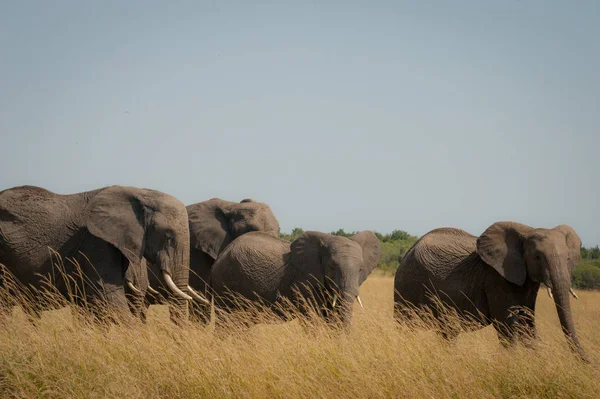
(127, 248)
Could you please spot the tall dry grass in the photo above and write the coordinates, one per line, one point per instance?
(63, 358)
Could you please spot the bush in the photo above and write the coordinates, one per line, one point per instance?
(590, 253)
(587, 275)
(296, 232)
(342, 233)
(392, 253)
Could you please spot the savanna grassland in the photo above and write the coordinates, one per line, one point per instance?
(63, 358)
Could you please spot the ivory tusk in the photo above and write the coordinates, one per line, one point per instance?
(359, 301)
(573, 293)
(198, 296)
(549, 290)
(174, 288)
(132, 287)
(334, 301)
(153, 291)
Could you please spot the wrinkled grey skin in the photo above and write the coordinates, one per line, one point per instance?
(257, 264)
(213, 224)
(138, 276)
(486, 278)
(113, 227)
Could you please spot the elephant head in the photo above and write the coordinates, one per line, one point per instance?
(546, 256)
(144, 223)
(338, 264)
(215, 223)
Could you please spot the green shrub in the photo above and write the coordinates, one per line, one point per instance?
(590, 253)
(392, 253)
(587, 275)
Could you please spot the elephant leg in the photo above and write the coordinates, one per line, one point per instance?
(518, 326)
(103, 266)
(527, 332)
(513, 315)
(137, 305)
(200, 266)
(510, 308)
(515, 324)
(528, 317)
(144, 311)
(176, 315)
(136, 287)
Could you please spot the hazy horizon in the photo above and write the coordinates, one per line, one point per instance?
(377, 116)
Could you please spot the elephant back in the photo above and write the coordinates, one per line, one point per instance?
(216, 222)
(254, 263)
(31, 220)
(441, 250)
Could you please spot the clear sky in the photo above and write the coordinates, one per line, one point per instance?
(374, 115)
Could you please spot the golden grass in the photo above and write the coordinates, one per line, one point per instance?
(62, 359)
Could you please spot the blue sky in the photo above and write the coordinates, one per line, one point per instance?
(361, 115)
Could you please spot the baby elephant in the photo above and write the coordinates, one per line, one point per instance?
(493, 278)
(316, 265)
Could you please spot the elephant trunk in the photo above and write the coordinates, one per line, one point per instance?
(345, 296)
(175, 272)
(346, 307)
(561, 286)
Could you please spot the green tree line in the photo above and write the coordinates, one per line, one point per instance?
(395, 245)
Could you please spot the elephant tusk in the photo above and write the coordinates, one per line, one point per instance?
(174, 288)
(334, 301)
(359, 301)
(198, 296)
(549, 290)
(153, 291)
(132, 287)
(573, 293)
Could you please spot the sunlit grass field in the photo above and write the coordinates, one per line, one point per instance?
(62, 359)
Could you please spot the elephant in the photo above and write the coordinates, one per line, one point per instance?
(490, 279)
(108, 232)
(319, 266)
(213, 224)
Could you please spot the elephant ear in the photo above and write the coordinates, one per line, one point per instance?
(117, 216)
(371, 252)
(306, 254)
(241, 217)
(209, 227)
(501, 246)
(573, 243)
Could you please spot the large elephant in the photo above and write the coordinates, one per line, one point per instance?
(493, 278)
(213, 224)
(108, 232)
(320, 266)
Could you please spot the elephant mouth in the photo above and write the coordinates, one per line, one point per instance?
(333, 296)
